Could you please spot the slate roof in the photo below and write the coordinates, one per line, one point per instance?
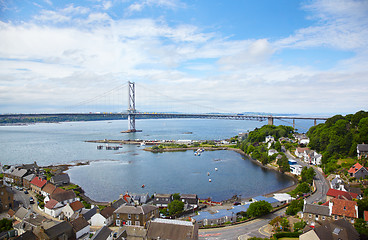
(316, 209)
(39, 182)
(107, 212)
(342, 207)
(90, 213)
(62, 196)
(341, 194)
(59, 229)
(60, 178)
(189, 196)
(21, 213)
(49, 188)
(262, 198)
(362, 147)
(136, 209)
(29, 177)
(172, 229)
(28, 235)
(355, 168)
(77, 205)
(102, 234)
(334, 230)
(118, 203)
(79, 224)
(160, 195)
(19, 172)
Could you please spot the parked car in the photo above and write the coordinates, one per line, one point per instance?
(31, 200)
(25, 191)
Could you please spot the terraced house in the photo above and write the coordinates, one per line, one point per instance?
(135, 215)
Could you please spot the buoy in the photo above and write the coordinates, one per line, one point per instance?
(143, 186)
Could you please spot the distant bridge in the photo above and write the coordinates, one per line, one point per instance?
(131, 114)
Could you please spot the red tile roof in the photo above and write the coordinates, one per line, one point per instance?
(344, 208)
(38, 182)
(58, 190)
(77, 205)
(49, 188)
(365, 216)
(341, 194)
(51, 204)
(355, 168)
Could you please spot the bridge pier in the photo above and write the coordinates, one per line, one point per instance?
(294, 123)
(270, 120)
(131, 109)
(315, 122)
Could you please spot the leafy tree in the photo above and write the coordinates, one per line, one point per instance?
(300, 189)
(307, 175)
(362, 206)
(5, 225)
(294, 207)
(175, 207)
(362, 227)
(176, 196)
(259, 208)
(283, 164)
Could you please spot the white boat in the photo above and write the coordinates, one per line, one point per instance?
(210, 180)
(143, 143)
(216, 169)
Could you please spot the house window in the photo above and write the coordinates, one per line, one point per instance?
(129, 223)
(129, 216)
(310, 215)
(335, 217)
(323, 218)
(316, 216)
(118, 222)
(117, 215)
(137, 217)
(137, 223)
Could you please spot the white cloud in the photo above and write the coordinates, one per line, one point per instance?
(138, 6)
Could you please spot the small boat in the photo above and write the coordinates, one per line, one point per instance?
(143, 186)
(210, 180)
(208, 173)
(216, 169)
(143, 143)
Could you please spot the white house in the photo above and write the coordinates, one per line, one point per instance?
(64, 197)
(103, 218)
(269, 138)
(53, 208)
(81, 228)
(283, 198)
(296, 169)
(72, 210)
(301, 152)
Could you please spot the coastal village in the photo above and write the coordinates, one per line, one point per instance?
(55, 208)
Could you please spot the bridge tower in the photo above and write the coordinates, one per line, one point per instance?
(131, 109)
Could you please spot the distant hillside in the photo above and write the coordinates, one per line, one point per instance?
(339, 135)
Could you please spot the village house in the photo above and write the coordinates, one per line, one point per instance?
(312, 157)
(21, 214)
(190, 201)
(343, 209)
(358, 171)
(340, 229)
(171, 229)
(334, 193)
(48, 189)
(27, 180)
(296, 169)
(283, 198)
(63, 196)
(15, 176)
(89, 214)
(362, 150)
(301, 138)
(37, 184)
(301, 152)
(30, 223)
(337, 183)
(162, 200)
(139, 199)
(313, 213)
(103, 233)
(272, 152)
(135, 215)
(6, 198)
(60, 180)
(104, 217)
(62, 230)
(215, 218)
(72, 210)
(53, 208)
(81, 228)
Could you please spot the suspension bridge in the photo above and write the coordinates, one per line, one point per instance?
(132, 113)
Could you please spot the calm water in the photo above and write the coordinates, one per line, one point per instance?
(114, 172)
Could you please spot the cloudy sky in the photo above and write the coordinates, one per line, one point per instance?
(277, 56)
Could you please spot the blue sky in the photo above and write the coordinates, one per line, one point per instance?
(242, 56)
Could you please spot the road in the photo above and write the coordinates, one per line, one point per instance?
(254, 228)
(20, 198)
(319, 180)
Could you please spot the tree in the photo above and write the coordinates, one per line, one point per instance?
(362, 206)
(5, 225)
(307, 175)
(299, 225)
(294, 207)
(300, 189)
(259, 208)
(176, 196)
(175, 207)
